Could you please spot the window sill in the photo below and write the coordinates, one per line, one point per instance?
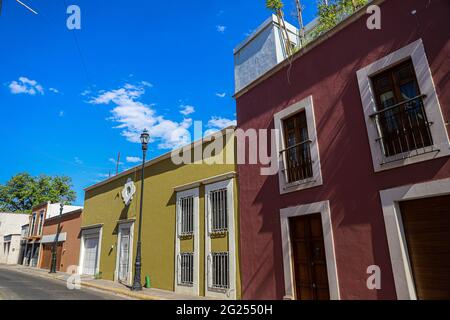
(408, 158)
(301, 185)
(410, 154)
(218, 290)
(186, 236)
(218, 234)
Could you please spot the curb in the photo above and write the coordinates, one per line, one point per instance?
(120, 291)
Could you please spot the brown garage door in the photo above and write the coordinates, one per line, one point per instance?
(47, 256)
(310, 265)
(427, 230)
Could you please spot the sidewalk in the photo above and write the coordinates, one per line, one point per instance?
(106, 285)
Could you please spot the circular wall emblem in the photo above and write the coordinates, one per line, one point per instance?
(128, 192)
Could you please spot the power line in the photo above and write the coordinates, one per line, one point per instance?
(77, 46)
(23, 4)
(80, 54)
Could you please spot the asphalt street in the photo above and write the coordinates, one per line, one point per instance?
(15, 285)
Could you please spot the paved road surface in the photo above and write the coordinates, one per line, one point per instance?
(15, 285)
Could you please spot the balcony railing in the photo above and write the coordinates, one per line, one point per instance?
(403, 130)
(298, 162)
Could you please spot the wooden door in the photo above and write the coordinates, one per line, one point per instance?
(46, 261)
(46, 257)
(310, 264)
(426, 223)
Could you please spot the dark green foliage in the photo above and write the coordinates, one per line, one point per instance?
(24, 191)
(336, 11)
(274, 4)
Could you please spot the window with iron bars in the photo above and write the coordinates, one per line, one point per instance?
(219, 211)
(220, 269)
(401, 119)
(297, 155)
(186, 217)
(186, 269)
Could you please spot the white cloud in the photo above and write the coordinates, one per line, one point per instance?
(147, 84)
(78, 161)
(221, 29)
(134, 159)
(221, 95)
(133, 116)
(187, 110)
(25, 86)
(86, 92)
(53, 90)
(218, 123)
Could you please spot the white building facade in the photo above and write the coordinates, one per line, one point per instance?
(10, 236)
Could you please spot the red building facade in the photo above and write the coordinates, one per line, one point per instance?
(364, 182)
(68, 248)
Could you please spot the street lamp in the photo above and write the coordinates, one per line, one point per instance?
(55, 243)
(137, 284)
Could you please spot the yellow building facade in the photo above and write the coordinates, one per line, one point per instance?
(189, 226)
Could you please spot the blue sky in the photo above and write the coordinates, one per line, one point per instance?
(155, 64)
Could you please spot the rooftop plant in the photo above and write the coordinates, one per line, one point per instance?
(331, 12)
(274, 4)
(277, 7)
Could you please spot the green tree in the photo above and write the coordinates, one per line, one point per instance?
(23, 191)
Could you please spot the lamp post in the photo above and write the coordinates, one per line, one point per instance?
(55, 243)
(137, 284)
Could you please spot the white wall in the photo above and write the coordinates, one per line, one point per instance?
(11, 256)
(260, 52)
(53, 210)
(11, 224)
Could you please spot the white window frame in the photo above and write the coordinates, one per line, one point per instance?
(210, 216)
(416, 52)
(195, 288)
(316, 180)
(288, 259)
(401, 268)
(229, 293)
(33, 222)
(125, 225)
(41, 222)
(180, 215)
(89, 232)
